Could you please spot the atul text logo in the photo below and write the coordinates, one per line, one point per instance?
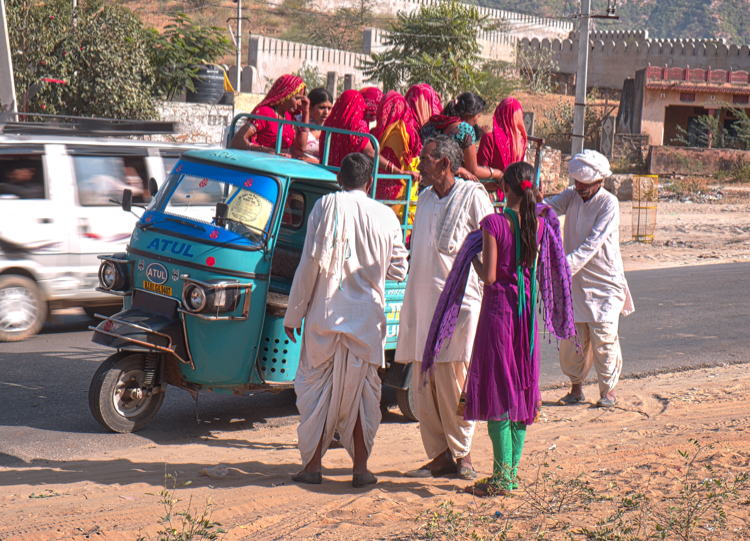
(156, 273)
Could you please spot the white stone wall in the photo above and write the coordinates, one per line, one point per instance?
(273, 57)
(495, 45)
(611, 62)
(197, 122)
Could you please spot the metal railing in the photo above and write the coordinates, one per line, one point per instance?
(327, 132)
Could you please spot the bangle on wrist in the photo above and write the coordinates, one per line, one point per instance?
(492, 172)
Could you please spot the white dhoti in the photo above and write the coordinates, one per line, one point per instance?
(600, 346)
(331, 396)
(436, 401)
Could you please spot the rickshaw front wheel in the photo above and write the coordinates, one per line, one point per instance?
(405, 401)
(117, 397)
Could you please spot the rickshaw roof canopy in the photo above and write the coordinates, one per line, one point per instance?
(262, 162)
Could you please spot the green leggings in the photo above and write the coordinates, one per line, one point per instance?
(507, 445)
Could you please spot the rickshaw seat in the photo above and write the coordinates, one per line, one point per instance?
(276, 304)
(285, 261)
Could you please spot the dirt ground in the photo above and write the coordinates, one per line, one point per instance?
(594, 458)
(691, 233)
(629, 449)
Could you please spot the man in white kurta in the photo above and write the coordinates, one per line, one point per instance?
(447, 211)
(600, 292)
(353, 244)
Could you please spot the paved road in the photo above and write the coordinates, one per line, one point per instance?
(684, 317)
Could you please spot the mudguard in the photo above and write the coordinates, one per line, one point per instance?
(151, 324)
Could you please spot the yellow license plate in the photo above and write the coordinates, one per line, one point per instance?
(157, 288)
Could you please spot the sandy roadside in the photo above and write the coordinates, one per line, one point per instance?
(632, 448)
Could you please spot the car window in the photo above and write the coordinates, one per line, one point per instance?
(294, 210)
(99, 179)
(169, 164)
(21, 177)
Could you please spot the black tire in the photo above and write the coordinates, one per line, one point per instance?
(405, 401)
(122, 371)
(22, 308)
(108, 310)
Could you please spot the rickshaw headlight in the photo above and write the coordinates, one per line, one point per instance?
(108, 275)
(113, 276)
(195, 298)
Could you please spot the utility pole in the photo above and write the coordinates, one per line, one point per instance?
(579, 114)
(238, 79)
(7, 83)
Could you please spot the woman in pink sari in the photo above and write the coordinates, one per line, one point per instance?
(506, 144)
(348, 114)
(287, 96)
(373, 96)
(424, 102)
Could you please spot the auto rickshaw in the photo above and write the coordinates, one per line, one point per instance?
(205, 281)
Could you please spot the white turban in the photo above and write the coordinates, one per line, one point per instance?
(589, 166)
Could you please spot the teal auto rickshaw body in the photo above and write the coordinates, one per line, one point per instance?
(205, 282)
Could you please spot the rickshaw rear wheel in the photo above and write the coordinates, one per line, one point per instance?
(405, 401)
(116, 398)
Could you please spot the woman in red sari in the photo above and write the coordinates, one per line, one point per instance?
(286, 96)
(373, 96)
(424, 103)
(348, 114)
(506, 144)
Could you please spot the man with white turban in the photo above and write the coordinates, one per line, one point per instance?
(600, 292)
(352, 245)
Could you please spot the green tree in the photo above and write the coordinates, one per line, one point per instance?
(174, 54)
(341, 29)
(101, 61)
(435, 45)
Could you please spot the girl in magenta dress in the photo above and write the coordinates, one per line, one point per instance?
(502, 387)
(503, 382)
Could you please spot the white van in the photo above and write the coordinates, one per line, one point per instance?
(56, 217)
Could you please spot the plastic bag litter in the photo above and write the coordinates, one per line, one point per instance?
(218, 471)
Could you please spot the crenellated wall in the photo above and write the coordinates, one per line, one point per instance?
(274, 57)
(495, 45)
(611, 62)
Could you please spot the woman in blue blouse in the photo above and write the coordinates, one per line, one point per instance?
(458, 121)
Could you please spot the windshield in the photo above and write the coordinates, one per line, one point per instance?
(192, 191)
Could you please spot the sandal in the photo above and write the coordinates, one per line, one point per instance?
(484, 490)
(424, 471)
(569, 399)
(308, 478)
(360, 480)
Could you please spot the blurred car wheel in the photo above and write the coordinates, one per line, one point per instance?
(22, 309)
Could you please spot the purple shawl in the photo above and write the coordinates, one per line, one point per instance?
(553, 275)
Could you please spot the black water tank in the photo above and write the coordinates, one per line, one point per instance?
(209, 85)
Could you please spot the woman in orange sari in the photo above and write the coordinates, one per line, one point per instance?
(287, 95)
(424, 102)
(398, 135)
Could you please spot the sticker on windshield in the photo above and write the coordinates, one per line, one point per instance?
(250, 209)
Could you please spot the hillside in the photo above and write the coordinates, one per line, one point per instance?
(728, 19)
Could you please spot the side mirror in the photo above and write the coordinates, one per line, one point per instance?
(127, 199)
(222, 210)
(153, 187)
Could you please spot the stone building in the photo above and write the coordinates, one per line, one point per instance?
(663, 99)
